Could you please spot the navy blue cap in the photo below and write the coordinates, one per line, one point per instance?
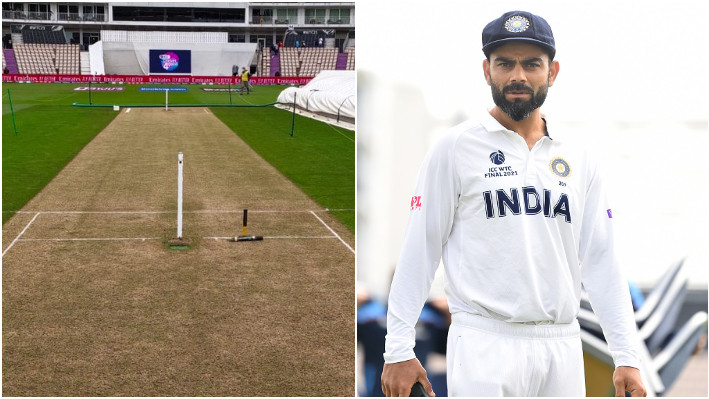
(518, 26)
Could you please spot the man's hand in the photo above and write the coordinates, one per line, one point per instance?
(398, 378)
(628, 379)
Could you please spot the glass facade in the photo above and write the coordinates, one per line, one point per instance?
(179, 14)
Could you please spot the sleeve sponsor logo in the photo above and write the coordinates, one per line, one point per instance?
(416, 203)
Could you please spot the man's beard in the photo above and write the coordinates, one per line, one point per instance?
(519, 109)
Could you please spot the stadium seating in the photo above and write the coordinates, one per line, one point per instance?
(265, 63)
(307, 61)
(47, 58)
(350, 58)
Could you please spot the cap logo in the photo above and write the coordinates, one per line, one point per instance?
(517, 24)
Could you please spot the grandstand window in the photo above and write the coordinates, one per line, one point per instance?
(13, 10)
(181, 14)
(38, 11)
(314, 16)
(339, 16)
(237, 38)
(13, 7)
(220, 15)
(90, 38)
(93, 12)
(68, 12)
(178, 14)
(286, 15)
(261, 16)
(265, 40)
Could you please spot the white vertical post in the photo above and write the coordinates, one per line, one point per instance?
(179, 195)
(165, 99)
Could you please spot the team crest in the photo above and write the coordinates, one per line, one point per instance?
(560, 167)
(517, 24)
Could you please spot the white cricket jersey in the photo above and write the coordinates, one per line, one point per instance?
(519, 230)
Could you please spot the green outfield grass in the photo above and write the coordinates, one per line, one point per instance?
(319, 158)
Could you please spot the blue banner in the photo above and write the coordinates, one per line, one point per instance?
(162, 89)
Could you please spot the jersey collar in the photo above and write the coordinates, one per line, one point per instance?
(492, 125)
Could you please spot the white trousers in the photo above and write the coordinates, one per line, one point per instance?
(493, 358)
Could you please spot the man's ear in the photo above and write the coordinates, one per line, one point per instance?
(553, 72)
(486, 71)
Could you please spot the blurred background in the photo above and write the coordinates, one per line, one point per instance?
(631, 89)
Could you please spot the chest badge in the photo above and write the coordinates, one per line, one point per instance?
(498, 158)
(560, 167)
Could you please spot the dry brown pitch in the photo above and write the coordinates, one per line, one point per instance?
(95, 303)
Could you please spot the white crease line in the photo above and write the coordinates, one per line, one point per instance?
(333, 232)
(92, 239)
(20, 235)
(172, 212)
(127, 110)
(276, 237)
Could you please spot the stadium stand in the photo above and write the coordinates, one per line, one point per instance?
(266, 57)
(324, 33)
(36, 58)
(307, 61)
(350, 51)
